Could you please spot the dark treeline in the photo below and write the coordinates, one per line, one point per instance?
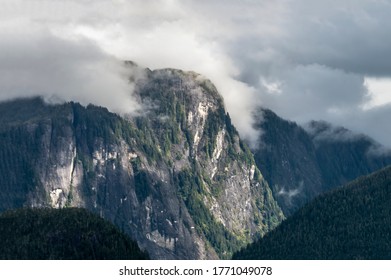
(351, 222)
(62, 234)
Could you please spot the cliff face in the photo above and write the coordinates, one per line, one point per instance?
(176, 178)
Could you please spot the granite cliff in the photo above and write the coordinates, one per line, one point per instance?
(176, 178)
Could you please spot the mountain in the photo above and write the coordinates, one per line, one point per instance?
(176, 178)
(300, 163)
(63, 234)
(351, 222)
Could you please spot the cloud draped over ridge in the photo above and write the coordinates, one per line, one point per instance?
(304, 59)
(37, 63)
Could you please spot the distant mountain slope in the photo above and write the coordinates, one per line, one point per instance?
(287, 158)
(343, 155)
(300, 164)
(351, 222)
(63, 234)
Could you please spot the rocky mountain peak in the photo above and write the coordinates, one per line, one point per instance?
(177, 177)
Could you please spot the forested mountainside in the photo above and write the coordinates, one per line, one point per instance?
(63, 234)
(350, 222)
(300, 164)
(176, 178)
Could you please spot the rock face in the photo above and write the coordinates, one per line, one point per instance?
(177, 178)
(300, 164)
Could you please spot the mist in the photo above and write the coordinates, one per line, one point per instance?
(59, 70)
(305, 60)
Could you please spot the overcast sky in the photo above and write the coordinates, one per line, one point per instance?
(304, 59)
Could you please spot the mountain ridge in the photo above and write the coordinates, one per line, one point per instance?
(301, 162)
(177, 177)
(349, 222)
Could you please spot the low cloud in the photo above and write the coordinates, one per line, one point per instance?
(318, 62)
(38, 63)
(323, 131)
(375, 121)
(289, 195)
(75, 42)
(306, 60)
(315, 91)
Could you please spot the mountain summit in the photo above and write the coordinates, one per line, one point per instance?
(177, 177)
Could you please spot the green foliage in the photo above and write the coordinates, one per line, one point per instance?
(141, 184)
(293, 158)
(64, 234)
(70, 196)
(352, 222)
(211, 128)
(19, 154)
(157, 135)
(343, 161)
(28, 111)
(246, 156)
(95, 122)
(180, 115)
(191, 190)
(230, 128)
(18, 151)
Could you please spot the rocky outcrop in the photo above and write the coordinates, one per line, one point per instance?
(177, 178)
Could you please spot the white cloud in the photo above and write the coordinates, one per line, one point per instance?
(154, 34)
(315, 92)
(177, 38)
(271, 87)
(379, 92)
(35, 62)
(319, 59)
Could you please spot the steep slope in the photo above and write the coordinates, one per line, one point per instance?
(177, 178)
(352, 222)
(63, 234)
(343, 155)
(287, 158)
(300, 164)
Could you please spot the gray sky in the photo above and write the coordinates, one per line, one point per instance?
(303, 59)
